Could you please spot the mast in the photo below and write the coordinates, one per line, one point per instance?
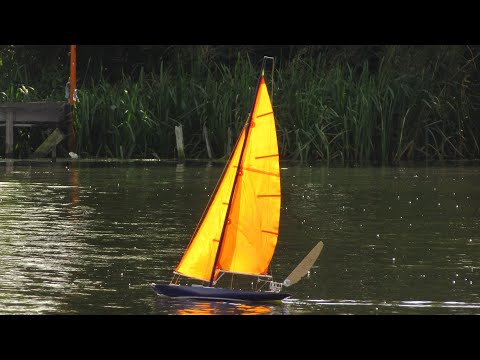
(247, 128)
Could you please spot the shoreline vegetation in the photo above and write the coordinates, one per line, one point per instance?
(383, 104)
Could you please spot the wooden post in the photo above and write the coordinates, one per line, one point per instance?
(205, 135)
(179, 137)
(9, 166)
(9, 133)
(73, 86)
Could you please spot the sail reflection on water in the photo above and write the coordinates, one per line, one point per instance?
(190, 306)
(221, 308)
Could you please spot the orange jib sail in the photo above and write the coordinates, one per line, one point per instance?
(252, 223)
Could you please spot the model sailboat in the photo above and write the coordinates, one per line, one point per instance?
(237, 235)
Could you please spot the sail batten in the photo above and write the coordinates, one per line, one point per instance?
(270, 232)
(262, 115)
(261, 171)
(251, 190)
(265, 156)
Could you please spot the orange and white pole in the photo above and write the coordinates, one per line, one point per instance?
(73, 85)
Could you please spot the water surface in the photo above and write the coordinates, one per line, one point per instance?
(89, 238)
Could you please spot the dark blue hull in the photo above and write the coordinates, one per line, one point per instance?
(211, 293)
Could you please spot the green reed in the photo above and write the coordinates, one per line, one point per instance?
(403, 110)
(136, 116)
(413, 102)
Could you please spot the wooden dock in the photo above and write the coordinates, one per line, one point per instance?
(50, 114)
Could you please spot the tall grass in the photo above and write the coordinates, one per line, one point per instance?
(136, 117)
(411, 103)
(407, 109)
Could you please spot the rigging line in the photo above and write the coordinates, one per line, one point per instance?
(273, 87)
(273, 71)
(247, 130)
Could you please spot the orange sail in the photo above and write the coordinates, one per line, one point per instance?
(252, 222)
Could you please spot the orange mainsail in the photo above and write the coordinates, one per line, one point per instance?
(252, 222)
